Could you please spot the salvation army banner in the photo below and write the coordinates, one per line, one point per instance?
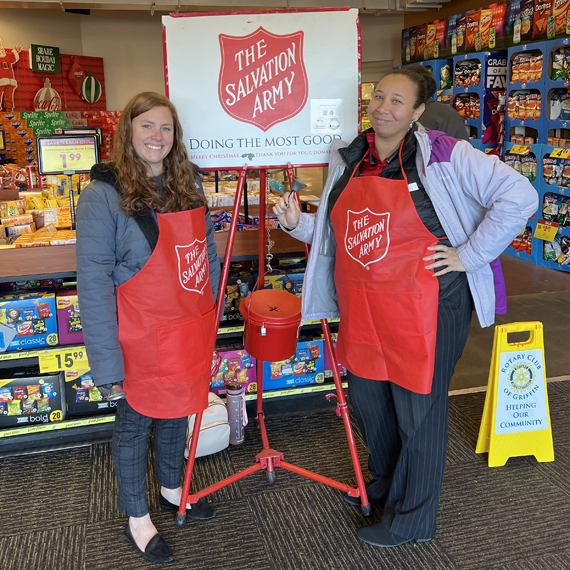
(264, 88)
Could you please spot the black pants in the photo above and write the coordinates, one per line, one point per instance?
(406, 433)
(130, 448)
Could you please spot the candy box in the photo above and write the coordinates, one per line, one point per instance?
(32, 314)
(68, 317)
(83, 398)
(236, 365)
(36, 398)
(306, 366)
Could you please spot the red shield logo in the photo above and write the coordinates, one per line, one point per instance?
(367, 236)
(263, 80)
(193, 270)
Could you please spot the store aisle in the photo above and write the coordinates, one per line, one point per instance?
(58, 509)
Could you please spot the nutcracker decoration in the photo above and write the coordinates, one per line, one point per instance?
(8, 83)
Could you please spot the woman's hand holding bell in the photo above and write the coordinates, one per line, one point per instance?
(287, 211)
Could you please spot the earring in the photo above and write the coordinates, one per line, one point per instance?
(412, 124)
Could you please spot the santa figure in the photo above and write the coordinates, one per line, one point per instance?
(8, 82)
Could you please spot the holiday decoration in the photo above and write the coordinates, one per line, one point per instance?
(47, 99)
(91, 89)
(8, 83)
(76, 76)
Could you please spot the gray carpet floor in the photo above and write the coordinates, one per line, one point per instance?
(57, 509)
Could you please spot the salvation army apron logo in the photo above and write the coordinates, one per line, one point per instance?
(263, 80)
(367, 236)
(193, 265)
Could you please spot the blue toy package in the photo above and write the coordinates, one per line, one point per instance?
(305, 367)
(32, 314)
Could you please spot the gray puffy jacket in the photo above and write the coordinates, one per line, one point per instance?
(111, 249)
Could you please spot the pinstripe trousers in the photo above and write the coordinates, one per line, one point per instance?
(130, 450)
(406, 433)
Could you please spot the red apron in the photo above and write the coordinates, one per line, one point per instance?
(167, 322)
(388, 301)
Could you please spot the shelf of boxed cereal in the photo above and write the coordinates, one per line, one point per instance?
(526, 159)
(478, 79)
(554, 249)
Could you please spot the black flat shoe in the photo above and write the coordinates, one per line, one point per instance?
(156, 550)
(374, 496)
(200, 511)
(379, 535)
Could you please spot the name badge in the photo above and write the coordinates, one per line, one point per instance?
(412, 187)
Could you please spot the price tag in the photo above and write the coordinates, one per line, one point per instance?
(546, 230)
(64, 359)
(560, 153)
(520, 149)
(59, 154)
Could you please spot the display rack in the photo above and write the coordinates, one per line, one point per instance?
(532, 151)
(493, 74)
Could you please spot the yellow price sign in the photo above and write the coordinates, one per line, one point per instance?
(546, 230)
(520, 149)
(59, 154)
(64, 359)
(560, 153)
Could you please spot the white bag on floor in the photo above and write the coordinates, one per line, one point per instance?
(214, 431)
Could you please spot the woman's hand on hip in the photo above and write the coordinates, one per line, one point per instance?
(287, 211)
(445, 257)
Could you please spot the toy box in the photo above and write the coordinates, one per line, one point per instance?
(82, 397)
(68, 317)
(305, 367)
(236, 365)
(32, 315)
(29, 398)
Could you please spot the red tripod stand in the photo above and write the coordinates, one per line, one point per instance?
(269, 458)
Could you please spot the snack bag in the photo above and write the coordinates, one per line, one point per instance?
(560, 13)
(526, 16)
(95, 395)
(421, 42)
(524, 68)
(445, 77)
(275, 370)
(20, 393)
(298, 369)
(515, 68)
(542, 11)
(3, 409)
(471, 29)
(81, 395)
(287, 370)
(564, 106)
(28, 407)
(34, 392)
(430, 39)
(485, 21)
(14, 408)
(460, 31)
(43, 405)
(6, 395)
(48, 391)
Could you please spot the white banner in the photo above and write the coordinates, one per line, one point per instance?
(264, 89)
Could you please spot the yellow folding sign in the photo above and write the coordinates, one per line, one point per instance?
(516, 418)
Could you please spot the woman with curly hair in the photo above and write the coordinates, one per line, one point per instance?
(147, 275)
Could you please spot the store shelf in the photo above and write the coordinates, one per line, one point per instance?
(58, 261)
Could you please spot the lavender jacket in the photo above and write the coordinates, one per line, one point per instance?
(482, 205)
